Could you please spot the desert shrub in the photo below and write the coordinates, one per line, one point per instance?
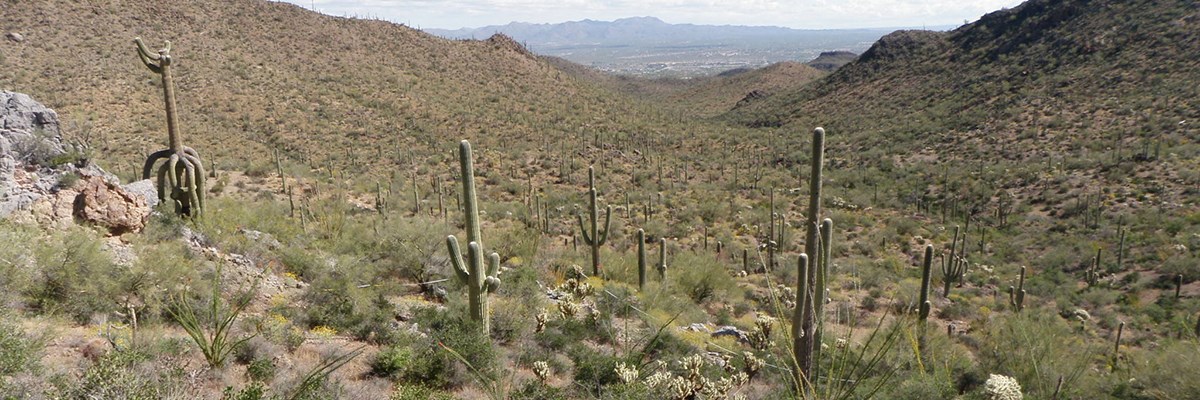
(76, 277)
(700, 277)
(437, 367)
(1036, 347)
(419, 392)
(594, 369)
(391, 361)
(19, 352)
(126, 375)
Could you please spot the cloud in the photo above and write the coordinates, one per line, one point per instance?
(813, 14)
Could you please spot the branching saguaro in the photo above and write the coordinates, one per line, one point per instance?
(472, 272)
(181, 175)
(813, 272)
(593, 236)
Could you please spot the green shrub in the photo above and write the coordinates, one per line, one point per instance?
(76, 277)
(391, 361)
(419, 392)
(18, 351)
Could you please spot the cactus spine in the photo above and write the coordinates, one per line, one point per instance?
(641, 241)
(594, 236)
(472, 272)
(806, 344)
(181, 176)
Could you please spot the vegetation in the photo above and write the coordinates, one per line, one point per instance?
(926, 150)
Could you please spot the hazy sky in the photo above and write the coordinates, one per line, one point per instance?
(810, 14)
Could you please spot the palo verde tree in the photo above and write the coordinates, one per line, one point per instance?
(181, 175)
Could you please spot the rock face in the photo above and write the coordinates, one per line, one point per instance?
(34, 162)
(106, 204)
(29, 136)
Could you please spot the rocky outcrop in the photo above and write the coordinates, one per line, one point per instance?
(45, 181)
(107, 204)
(29, 139)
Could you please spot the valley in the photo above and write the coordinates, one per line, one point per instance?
(1004, 210)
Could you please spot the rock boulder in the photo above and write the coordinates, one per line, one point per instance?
(109, 205)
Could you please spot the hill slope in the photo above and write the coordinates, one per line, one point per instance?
(1087, 83)
(248, 83)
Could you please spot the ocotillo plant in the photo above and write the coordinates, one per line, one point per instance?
(805, 345)
(641, 244)
(594, 236)
(1016, 296)
(479, 281)
(183, 171)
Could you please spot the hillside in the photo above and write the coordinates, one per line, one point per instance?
(365, 82)
(1051, 81)
(1008, 210)
(724, 92)
(832, 60)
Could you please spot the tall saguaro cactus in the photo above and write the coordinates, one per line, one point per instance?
(182, 171)
(594, 237)
(1016, 295)
(806, 343)
(472, 272)
(926, 271)
(641, 242)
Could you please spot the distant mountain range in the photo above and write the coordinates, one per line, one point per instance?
(647, 46)
(648, 30)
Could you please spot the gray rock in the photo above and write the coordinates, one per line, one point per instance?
(29, 136)
(144, 188)
(16, 37)
(731, 331)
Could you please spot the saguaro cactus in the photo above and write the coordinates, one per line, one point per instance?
(806, 344)
(662, 259)
(953, 267)
(641, 243)
(1016, 296)
(182, 171)
(926, 271)
(594, 237)
(479, 281)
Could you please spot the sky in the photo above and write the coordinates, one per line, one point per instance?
(800, 14)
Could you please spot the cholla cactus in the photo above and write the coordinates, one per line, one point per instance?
(542, 370)
(658, 379)
(1000, 387)
(760, 337)
(692, 364)
(568, 309)
(753, 364)
(540, 320)
(626, 373)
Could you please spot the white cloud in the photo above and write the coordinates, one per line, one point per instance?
(812, 14)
